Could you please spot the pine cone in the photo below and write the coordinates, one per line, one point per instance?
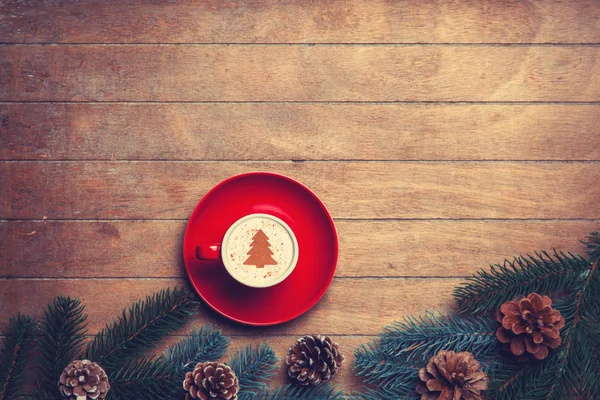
(313, 359)
(530, 326)
(452, 376)
(82, 380)
(211, 380)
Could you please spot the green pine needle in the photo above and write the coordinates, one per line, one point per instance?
(145, 379)
(16, 343)
(419, 338)
(252, 366)
(206, 344)
(61, 336)
(382, 393)
(326, 391)
(593, 245)
(141, 327)
(542, 273)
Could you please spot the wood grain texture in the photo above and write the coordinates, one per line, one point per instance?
(299, 131)
(86, 249)
(322, 21)
(165, 190)
(299, 73)
(369, 300)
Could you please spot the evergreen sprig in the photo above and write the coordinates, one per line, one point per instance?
(593, 245)
(253, 366)
(61, 335)
(570, 372)
(393, 361)
(16, 343)
(389, 372)
(145, 378)
(382, 393)
(205, 344)
(571, 369)
(424, 336)
(141, 327)
(542, 273)
(325, 391)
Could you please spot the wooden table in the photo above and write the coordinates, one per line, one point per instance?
(443, 135)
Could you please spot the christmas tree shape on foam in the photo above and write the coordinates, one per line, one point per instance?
(260, 252)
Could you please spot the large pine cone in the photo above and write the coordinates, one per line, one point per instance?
(530, 326)
(452, 376)
(211, 380)
(82, 380)
(313, 359)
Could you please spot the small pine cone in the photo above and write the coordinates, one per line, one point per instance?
(83, 380)
(530, 326)
(313, 359)
(211, 380)
(452, 376)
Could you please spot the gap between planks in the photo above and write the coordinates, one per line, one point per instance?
(389, 44)
(332, 102)
(237, 161)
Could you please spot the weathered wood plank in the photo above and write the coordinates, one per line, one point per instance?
(164, 190)
(375, 21)
(372, 248)
(371, 302)
(299, 73)
(299, 131)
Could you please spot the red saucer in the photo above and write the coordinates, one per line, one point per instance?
(296, 205)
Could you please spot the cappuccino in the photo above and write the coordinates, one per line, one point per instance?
(259, 250)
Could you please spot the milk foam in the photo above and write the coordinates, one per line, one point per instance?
(259, 250)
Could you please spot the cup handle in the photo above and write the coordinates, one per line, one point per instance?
(208, 251)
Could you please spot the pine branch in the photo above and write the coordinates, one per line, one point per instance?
(593, 246)
(252, 366)
(144, 379)
(141, 327)
(387, 370)
(326, 391)
(61, 336)
(422, 337)
(18, 336)
(542, 273)
(382, 393)
(206, 344)
(590, 340)
(569, 367)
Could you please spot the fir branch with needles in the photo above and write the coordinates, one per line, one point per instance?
(393, 361)
(205, 344)
(541, 273)
(326, 391)
(61, 335)
(145, 378)
(384, 393)
(571, 371)
(253, 366)
(141, 327)
(424, 336)
(16, 342)
(593, 245)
